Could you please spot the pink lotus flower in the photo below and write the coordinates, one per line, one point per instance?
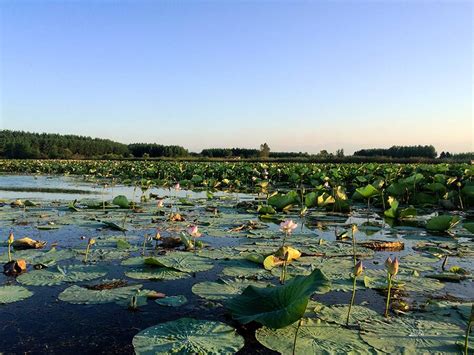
(193, 231)
(177, 187)
(288, 226)
(160, 203)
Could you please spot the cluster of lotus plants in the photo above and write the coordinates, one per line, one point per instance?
(302, 258)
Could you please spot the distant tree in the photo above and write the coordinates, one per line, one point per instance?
(323, 153)
(264, 150)
(340, 153)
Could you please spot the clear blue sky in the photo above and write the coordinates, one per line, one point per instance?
(299, 75)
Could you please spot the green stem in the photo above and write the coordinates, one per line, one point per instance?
(352, 300)
(354, 248)
(296, 336)
(9, 252)
(194, 244)
(466, 341)
(387, 305)
(87, 252)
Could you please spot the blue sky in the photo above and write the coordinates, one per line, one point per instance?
(300, 75)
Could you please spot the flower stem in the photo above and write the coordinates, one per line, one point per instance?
(296, 336)
(387, 305)
(87, 252)
(352, 299)
(9, 252)
(466, 341)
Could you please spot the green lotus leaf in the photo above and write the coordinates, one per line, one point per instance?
(338, 314)
(121, 201)
(278, 306)
(188, 336)
(181, 261)
(224, 289)
(314, 337)
(412, 335)
(58, 275)
(280, 201)
(82, 295)
(244, 268)
(469, 226)
(368, 191)
(172, 301)
(442, 223)
(155, 273)
(9, 294)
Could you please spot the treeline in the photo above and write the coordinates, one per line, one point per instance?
(153, 150)
(248, 153)
(25, 145)
(416, 151)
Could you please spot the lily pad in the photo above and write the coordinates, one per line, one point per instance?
(9, 294)
(223, 289)
(314, 337)
(58, 275)
(412, 335)
(184, 262)
(172, 301)
(188, 336)
(82, 295)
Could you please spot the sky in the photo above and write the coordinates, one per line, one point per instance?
(299, 75)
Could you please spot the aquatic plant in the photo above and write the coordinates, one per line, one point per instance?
(90, 243)
(11, 239)
(392, 270)
(358, 269)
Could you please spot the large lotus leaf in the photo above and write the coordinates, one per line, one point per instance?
(469, 226)
(407, 280)
(392, 212)
(411, 335)
(121, 201)
(216, 254)
(82, 295)
(311, 199)
(155, 273)
(29, 255)
(184, 262)
(442, 223)
(188, 336)
(368, 191)
(57, 275)
(412, 179)
(338, 313)
(468, 191)
(280, 201)
(97, 255)
(245, 269)
(223, 289)
(314, 337)
(436, 187)
(9, 294)
(172, 301)
(278, 306)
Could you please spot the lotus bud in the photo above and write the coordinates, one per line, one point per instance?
(160, 203)
(358, 269)
(392, 266)
(91, 241)
(157, 236)
(11, 238)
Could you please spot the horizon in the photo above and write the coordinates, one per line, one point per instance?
(301, 76)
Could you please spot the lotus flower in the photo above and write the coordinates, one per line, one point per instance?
(288, 226)
(160, 203)
(177, 187)
(193, 231)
